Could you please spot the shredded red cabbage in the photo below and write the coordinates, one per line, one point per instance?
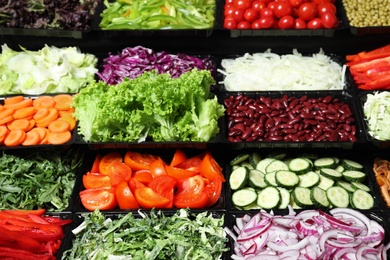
(132, 62)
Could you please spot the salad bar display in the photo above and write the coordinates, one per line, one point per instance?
(237, 129)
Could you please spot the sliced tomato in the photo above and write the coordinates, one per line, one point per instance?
(139, 161)
(118, 171)
(192, 164)
(148, 198)
(96, 162)
(125, 197)
(100, 198)
(194, 184)
(164, 185)
(179, 173)
(107, 159)
(96, 180)
(191, 200)
(178, 157)
(135, 184)
(210, 169)
(213, 190)
(143, 176)
(157, 168)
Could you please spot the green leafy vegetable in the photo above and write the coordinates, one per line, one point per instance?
(184, 235)
(151, 105)
(43, 179)
(377, 114)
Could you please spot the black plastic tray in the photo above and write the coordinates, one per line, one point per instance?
(347, 97)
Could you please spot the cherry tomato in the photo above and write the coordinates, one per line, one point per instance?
(286, 22)
(251, 15)
(107, 159)
(139, 161)
(243, 25)
(256, 25)
(210, 169)
(315, 24)
(300, 24)
(326, 7)
(258, 5)
(229, 2)
(242, 4)
(296, 3)
(317, 2)
(307, 11)
(148, 198)
(213, 189)
(119, 171)
(229, 23)
(267, 22)
(125, 197)
(100, 198)
(238, 15)
(282, 9)
(272, 5)
(266, 12)
(229, 11)
(329, 20)
(191, 200)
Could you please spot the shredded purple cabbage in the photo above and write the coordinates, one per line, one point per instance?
(133, 62)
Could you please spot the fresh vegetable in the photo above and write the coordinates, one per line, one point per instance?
(271, 71)
(131, 62)
(367, 14)
(381, 169)
(143, 180)
(157, 15)
(42, 179)
(310, 234)
(156, 235)
(47, 70)
(301, 182)
(30, 234)
(377, 114)
(151, 107)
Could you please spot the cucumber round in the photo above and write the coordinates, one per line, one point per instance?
(331, 174)
(354, 176)
(318, 196)
(299, 165)
(244, 197)
(361, 199)
(239, 159)
(256, 179)
(309, 179)
(286, 179)
(324, 162)
(338, 197)
(239, 178)
(269, 198)
(351, 165)
(301, 197)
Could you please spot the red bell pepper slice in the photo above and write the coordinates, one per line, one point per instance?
(376, 53)
(57, 221)
(381, 83)
(10, 253)
(19, 240)
(364, 66)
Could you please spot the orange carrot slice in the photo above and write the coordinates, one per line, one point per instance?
(6, 120)
(32, 138)
(41, 113)
(24, 103)
(41, 132)
(65, 113)
(31, 124)
(59, 138)
(13, 100)
(43, 101)
(3, 133)
(44, 122)
(70, 120)
(59, 126)
(19, 124)
(24, 112)
(15, 137)
(6, 113)
(63, 101)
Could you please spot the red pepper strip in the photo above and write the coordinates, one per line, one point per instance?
(352, 57)
(6, 215)
(19, 240)
(381, 83)
(363, 67)
(37, 219)
(376, 53)
(10, 253)
(53, 246)
(25, 212)
(57, 221)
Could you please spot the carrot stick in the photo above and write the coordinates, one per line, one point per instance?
(19, 124)
(32, 138)
(59, 138)
(13, 100)
(24, 103)
(58, 126)
(15, 137)
(63, 101)
(24, 112)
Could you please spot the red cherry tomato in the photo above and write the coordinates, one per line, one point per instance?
(242, 4)
(296, 3)
(307, 11)
(283, 9)
(256, 24)
(315, 24)
(251, 15)
(238, 15)
(229, 2)
(258, 5)
(229, 11)
(317, 2)
(329, 20)
(286, 22)
(266, 12)
(272, 5)
(326, 7)
(230, 23)
(267, 22)
(300, 24)
(243, 25)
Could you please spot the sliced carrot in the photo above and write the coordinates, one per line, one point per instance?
(58, 126)
(44, 101)
(24, 103)
(13, 100)
(41, 132)
(71, 120)
(24, 112)
(41, 113)
(6, 113)
(59, 138)
(3, 133)
(2, 108)
(44, 122)
(31, 124)
(19, 124)
(63, 101)
(45, 140)
(65, 113)
(32, 138)
(5, 120)
(15, 137)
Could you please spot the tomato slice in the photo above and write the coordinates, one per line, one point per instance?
(191, 200)
(213, 190)
(148, 198)
(135, 184)
(143, 176)
(139, 161)
(179, 173)
(157, 168)
(194, 184)
(210, 169)
(100, 198)
(164, 185)
(96, 180)
(192, 164)
(96, 162)
(107, 159)
(178, 157)
(125, 197)
(118, 171)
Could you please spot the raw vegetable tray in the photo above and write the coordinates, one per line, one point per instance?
(370, 165)
(235, 138)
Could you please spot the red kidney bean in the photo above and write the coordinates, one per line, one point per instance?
(274, 113)
(251, 139)
(235, 132)
(347, 127)
(277, 120)
(294, 120)
(269, 123)
(247, 133)
(275, 138)
(327, 99)
(238, 120)
(242, 108)
(303, 98)
(353, 130)
(290, 131)
(306, 115)
(239, 126)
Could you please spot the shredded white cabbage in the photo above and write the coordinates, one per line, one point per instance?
(269, 71)
(377, 115)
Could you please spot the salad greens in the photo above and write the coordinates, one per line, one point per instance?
(377, 114)
(158, 14)
(151, 105)
(184, 235)
(42, 179)
(48, 70)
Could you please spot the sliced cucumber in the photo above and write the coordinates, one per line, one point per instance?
(309, 179)
(338, 197)
(318, 196)
(286, 179)
(263, 164)
(340, 168)
(278, 155)
(354, 176)
(247, 165)
(361, 199)
(256, 179)
(351, 165)
(252, 206)
(346, 185)
(276, 165)
(324, 162)
(244, 197)
(302, 197)
(239, 159)
(284, 198)
(325, 183)
(299, 165)
(254, 159)
(269, 198)
(331, 173)
(336, 160)
(361, 186)
(270, 179)
(239, 178)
